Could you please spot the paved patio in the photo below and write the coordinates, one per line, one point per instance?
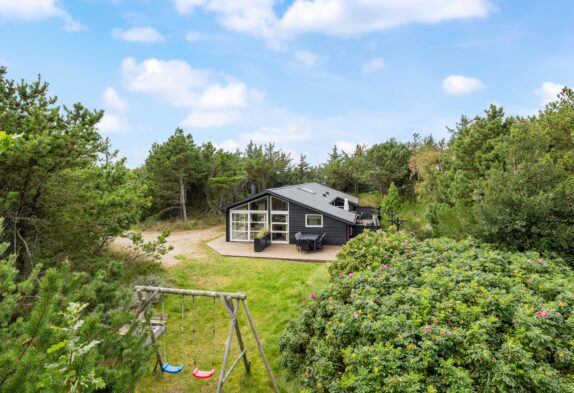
(275, 251)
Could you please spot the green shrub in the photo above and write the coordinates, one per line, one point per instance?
(391, 201)
(34, 334)
(437, 316)
(416, 220)
(454, 222)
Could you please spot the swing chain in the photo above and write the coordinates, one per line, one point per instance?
(182, 324)
(193, 330)
(164, 328)
(213, 336)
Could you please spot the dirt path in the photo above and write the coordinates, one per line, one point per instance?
(185, 244)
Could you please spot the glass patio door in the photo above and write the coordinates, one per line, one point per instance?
(239, 226)
(280, 228)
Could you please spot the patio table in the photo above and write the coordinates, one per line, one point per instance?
(312, 239)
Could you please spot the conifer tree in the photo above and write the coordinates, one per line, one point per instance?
(391, 201)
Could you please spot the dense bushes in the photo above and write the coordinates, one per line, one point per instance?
(507, 180)
(436, 315)
(41, 350)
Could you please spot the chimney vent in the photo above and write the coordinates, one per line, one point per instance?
(253, 188)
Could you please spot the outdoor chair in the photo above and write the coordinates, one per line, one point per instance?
(319, 244)
(306, 245)
(298, 241)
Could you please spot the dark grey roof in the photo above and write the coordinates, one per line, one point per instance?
(317, 197)
(243, 200)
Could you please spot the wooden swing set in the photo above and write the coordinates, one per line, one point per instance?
(231, 303)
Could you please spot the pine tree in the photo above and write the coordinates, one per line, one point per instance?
(303, 172)
(170, 169)
(391, 201)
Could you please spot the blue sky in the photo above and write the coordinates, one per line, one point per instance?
(306, 74)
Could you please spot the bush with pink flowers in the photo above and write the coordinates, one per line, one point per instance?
(436, 316)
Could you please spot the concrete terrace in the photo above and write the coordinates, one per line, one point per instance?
(275, 251)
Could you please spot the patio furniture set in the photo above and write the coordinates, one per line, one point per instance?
(309, 241)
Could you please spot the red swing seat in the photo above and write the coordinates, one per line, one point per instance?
(202, 374)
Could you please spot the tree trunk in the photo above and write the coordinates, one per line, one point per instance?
(182, 199)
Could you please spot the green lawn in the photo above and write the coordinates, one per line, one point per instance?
(275, 290)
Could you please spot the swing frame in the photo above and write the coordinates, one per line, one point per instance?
(231, 303)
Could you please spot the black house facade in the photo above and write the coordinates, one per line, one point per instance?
(284, 211)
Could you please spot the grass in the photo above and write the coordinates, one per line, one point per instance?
(370, 199)
(177, 225)
(276, 291)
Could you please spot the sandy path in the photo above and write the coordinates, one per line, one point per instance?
(185, 244)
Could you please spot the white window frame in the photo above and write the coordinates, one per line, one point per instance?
(231, 231)
(313, 226)
(277, 211)
(248, 212)
(286, 223)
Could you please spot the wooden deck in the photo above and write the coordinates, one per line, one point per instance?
(275, 251)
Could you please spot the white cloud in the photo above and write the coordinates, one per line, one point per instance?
(31, 10)
(548, 91)
(147, 35)
(348, 146)
(185, 6)
(234, 95)
(264, 135)
(173, 81)
(306, 57)
(114, 120)
(377, 64)
(192, 36)
(333, 17)
(228, 145)
(114, 123)
(458, 85)
(215, 100)
(211, 119)
(254, 17)
(350, 18)
(112, 101)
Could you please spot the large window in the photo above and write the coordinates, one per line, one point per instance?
(239, 225)
(257, 222)
(279, 205)
(248, 219)
(279, 220)
(258, 204)
(314, 220)
(279, 228)
(252, 217)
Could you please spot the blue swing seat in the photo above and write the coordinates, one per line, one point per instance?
(168, 368)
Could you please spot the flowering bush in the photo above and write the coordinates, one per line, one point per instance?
(436, 316)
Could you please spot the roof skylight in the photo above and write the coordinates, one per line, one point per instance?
(307, 190)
